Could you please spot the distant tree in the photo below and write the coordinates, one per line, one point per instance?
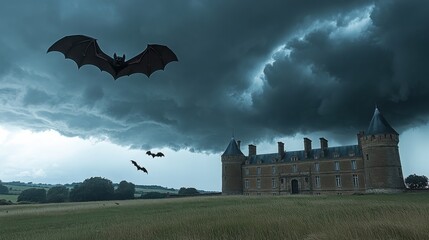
(57, 194)
(76, 194)
(92, 189)
(33, 195)
(188, 191)
(416, 182)
(5, 202)
(125, 190)
(3, 189)
(154, 195)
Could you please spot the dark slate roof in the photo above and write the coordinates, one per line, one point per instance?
(232, 149)
(379, 125)
(342, 151)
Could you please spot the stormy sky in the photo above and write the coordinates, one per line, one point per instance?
(262, 70)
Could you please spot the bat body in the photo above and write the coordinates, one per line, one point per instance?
(138, 167)
(85, 50)
(158, 154)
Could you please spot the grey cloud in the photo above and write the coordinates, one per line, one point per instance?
(327, 83)
(332, 84)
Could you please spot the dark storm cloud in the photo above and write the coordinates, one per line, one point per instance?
(328, 82)
(331, 82)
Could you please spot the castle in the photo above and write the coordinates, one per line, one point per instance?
(371, 166)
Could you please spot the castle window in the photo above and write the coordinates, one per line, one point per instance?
(351, 154)
(246, 183)
(336, 154)
(338, 181)
(258, 170)
(354, 166)
(273, 170)
(316, 167)
(355, 181)
(294, 158)
(367, 157)
(258, 183)
(337, 166)
(317, 181)
(294, 168)
(273, 183)
(246, 171)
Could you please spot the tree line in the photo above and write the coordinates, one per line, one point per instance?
(92, 189)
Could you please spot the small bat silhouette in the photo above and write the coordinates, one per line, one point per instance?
(138, 167)
(158, 154)
(85, 50)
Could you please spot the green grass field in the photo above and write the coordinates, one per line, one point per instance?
(399, 216)
(9, 197)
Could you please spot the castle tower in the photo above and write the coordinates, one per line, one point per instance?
(382, 165)
(232, 159)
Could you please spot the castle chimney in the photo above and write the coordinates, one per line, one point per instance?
(323, 146)
(252, 150)
(359, 136)
(281, 149)
(323, 143)
(307, 147)
(239, 144)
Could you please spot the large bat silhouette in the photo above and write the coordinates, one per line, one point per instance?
(85, 50)
(138, 166)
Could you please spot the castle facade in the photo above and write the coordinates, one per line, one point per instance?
(371, 166)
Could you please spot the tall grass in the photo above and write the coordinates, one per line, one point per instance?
(401, 216)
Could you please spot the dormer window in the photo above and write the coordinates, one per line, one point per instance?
(336, 154)
(259, 161)
(294, 158)
(351, 154)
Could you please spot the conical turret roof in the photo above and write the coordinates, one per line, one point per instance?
(379, 125)
(232, 149)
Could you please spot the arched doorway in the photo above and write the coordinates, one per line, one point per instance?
(294, 184)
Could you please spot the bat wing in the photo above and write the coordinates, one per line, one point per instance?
(84, 50)
(135, 164)
(160, 154)
(154, 57)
